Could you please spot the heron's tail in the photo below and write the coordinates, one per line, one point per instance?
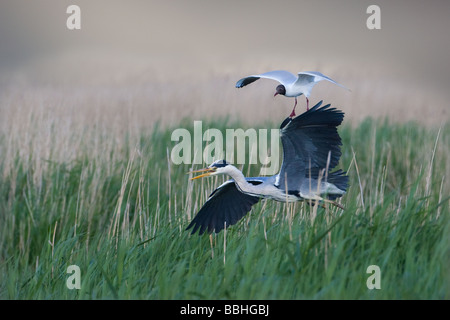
(340, 179)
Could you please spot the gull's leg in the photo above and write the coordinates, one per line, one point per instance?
(293, 110)
(307, 103)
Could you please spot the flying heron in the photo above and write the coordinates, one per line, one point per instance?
(290, 85)
(311, 149)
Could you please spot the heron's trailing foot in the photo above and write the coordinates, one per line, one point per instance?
(312, 203)
(334, 203)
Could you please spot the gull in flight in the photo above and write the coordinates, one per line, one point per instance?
(290, 85)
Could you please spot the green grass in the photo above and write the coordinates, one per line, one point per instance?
(119, 212)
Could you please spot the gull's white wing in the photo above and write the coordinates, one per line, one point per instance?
(306, 77)
(283, 77)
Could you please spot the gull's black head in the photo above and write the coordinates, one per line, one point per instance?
(280, 90)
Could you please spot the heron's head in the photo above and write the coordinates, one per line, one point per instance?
(280, 90)
(217, 167)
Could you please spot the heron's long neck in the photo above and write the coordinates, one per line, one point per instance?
(240, 180)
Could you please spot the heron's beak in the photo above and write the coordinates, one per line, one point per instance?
(275, 94)
(207, 171)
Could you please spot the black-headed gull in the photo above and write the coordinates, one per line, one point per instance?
(290, 85)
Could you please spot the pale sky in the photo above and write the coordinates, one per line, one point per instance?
(197, 38)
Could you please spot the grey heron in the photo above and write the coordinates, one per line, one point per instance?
(311, 149)
(290, 85)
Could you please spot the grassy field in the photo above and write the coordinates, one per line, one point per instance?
(75, 192)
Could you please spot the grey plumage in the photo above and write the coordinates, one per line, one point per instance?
(311, 149)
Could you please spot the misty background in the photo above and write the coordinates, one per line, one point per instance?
(189, 54)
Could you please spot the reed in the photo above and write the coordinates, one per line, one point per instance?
(91, 186)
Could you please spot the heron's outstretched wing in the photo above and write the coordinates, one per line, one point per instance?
(306, 77)
(307, 141)
(225, 205)
(283, 77)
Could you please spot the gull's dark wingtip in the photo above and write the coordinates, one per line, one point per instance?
(245, 81)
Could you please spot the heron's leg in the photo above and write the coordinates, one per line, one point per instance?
(307, 103)
(293, 110)
(317, 199)
(334, 203)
